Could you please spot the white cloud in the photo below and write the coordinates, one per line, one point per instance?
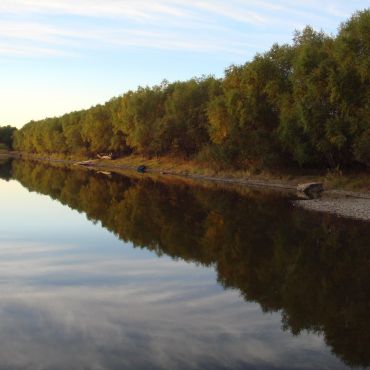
(85, 309)
(50, 37)
(54, 28)
(29, 51)
(138, 9)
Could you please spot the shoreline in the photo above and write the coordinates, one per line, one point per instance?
(287, 181)
(350, 208)
(98, 165)
(343, 203)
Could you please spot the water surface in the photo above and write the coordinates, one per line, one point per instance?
(115, 272)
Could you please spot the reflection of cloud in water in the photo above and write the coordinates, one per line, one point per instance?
(76, 310)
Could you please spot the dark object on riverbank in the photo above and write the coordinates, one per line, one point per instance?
(311, 190)
(141, 169)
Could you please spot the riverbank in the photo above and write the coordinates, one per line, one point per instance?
(345, 195)
(355, 208)
(349, 184)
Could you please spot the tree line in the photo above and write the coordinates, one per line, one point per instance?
(302, 104)
(313, 269)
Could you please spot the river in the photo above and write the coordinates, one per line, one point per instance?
(105, 271)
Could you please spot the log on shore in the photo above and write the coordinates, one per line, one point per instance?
(311, 189)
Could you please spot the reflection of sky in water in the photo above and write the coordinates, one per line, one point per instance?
(73, 296)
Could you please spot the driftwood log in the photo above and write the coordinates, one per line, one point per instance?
(311, 189)
(84, 163)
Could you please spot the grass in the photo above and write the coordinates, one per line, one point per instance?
(358, 181)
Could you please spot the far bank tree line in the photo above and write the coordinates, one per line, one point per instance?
(304, 104)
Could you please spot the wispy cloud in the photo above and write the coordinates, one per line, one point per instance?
(138, 9)
(27, 51)
(58, 40)
(86, 309)
(66, 27)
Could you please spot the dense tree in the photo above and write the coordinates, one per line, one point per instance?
(6, 136)
(310, 128)
(97, 130)
(246, 117)
(185, 122)
(305, 104)
(352, 81)
(71, 125)
(140, 119)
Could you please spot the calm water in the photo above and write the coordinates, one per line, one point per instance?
(101, 272)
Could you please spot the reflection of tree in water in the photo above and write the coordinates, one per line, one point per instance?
(314, 268)
(5, 169)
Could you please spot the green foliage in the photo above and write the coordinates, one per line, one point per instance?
(351, 84)
(97, 129)
(71, 126)
(140, 117)
(305, 104)
(362, 147)
(250, 106)
(309, 127)
(185, 120)
(6, 137)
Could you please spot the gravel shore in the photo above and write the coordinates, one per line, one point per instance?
(345, 207)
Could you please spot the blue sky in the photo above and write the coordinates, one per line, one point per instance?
(62, 55)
